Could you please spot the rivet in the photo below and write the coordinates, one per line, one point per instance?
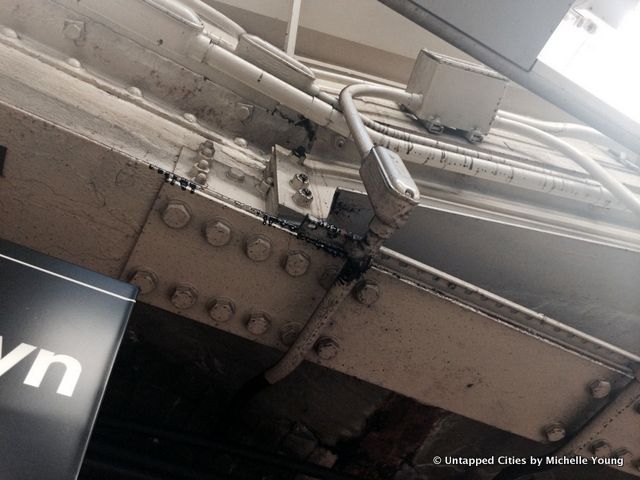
(184, 296)
(241, 142)
(9, 33)
(258, 248)
(339, 141)
(258, 323)
(200, 178)
(135, 91)
(190, 117)
(600, 388)
(176, 215)
(243, 111)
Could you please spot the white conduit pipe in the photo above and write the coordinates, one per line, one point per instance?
(449, 147)
(212, 15)
(358, 130)
(569, 130)
(325, 115)
(617, 188)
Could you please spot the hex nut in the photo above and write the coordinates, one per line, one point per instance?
(289, 332)
(217, 232)
(184, 296)
(73, 30)
(339, 141)
(303, 197)
(327, 348)
(367, 292)
(145, 280)
(601, 449)
(258, 323)
(222, 310)
(297, 263)
(555, 432)
(176, 215)
(299, 180)
(258, 248)
(600, 388)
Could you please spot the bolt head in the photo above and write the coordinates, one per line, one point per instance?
(184, 296)
(296, 264)
(289, 333)
(73, 30)
(176, 215)
(258, 248)
(327, 348)
(258, 323)
(600, 388)
(339, 141)
(243, 111)
(217, 233)
(303, 197)
(367, 292)
(601, 449)
(555, 432)
(145, 280)
(623, 453)
(222, 310)
(74, 62)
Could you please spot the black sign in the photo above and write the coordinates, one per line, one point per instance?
(60, 328)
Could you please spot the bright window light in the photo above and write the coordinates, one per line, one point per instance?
(603, 60)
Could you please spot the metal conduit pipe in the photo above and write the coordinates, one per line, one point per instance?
(569, 130)
(215, 17)
(254, 77)
(324, 114)
(617, 188)
(413, 138)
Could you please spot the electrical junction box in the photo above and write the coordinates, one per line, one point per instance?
(456, 94)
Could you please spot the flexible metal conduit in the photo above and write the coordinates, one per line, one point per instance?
(620, 191)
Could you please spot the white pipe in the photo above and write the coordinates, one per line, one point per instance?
(254, 77)
(325, 115)
(569, 130)
(215, 17)
(620, 191)
(358, 130)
